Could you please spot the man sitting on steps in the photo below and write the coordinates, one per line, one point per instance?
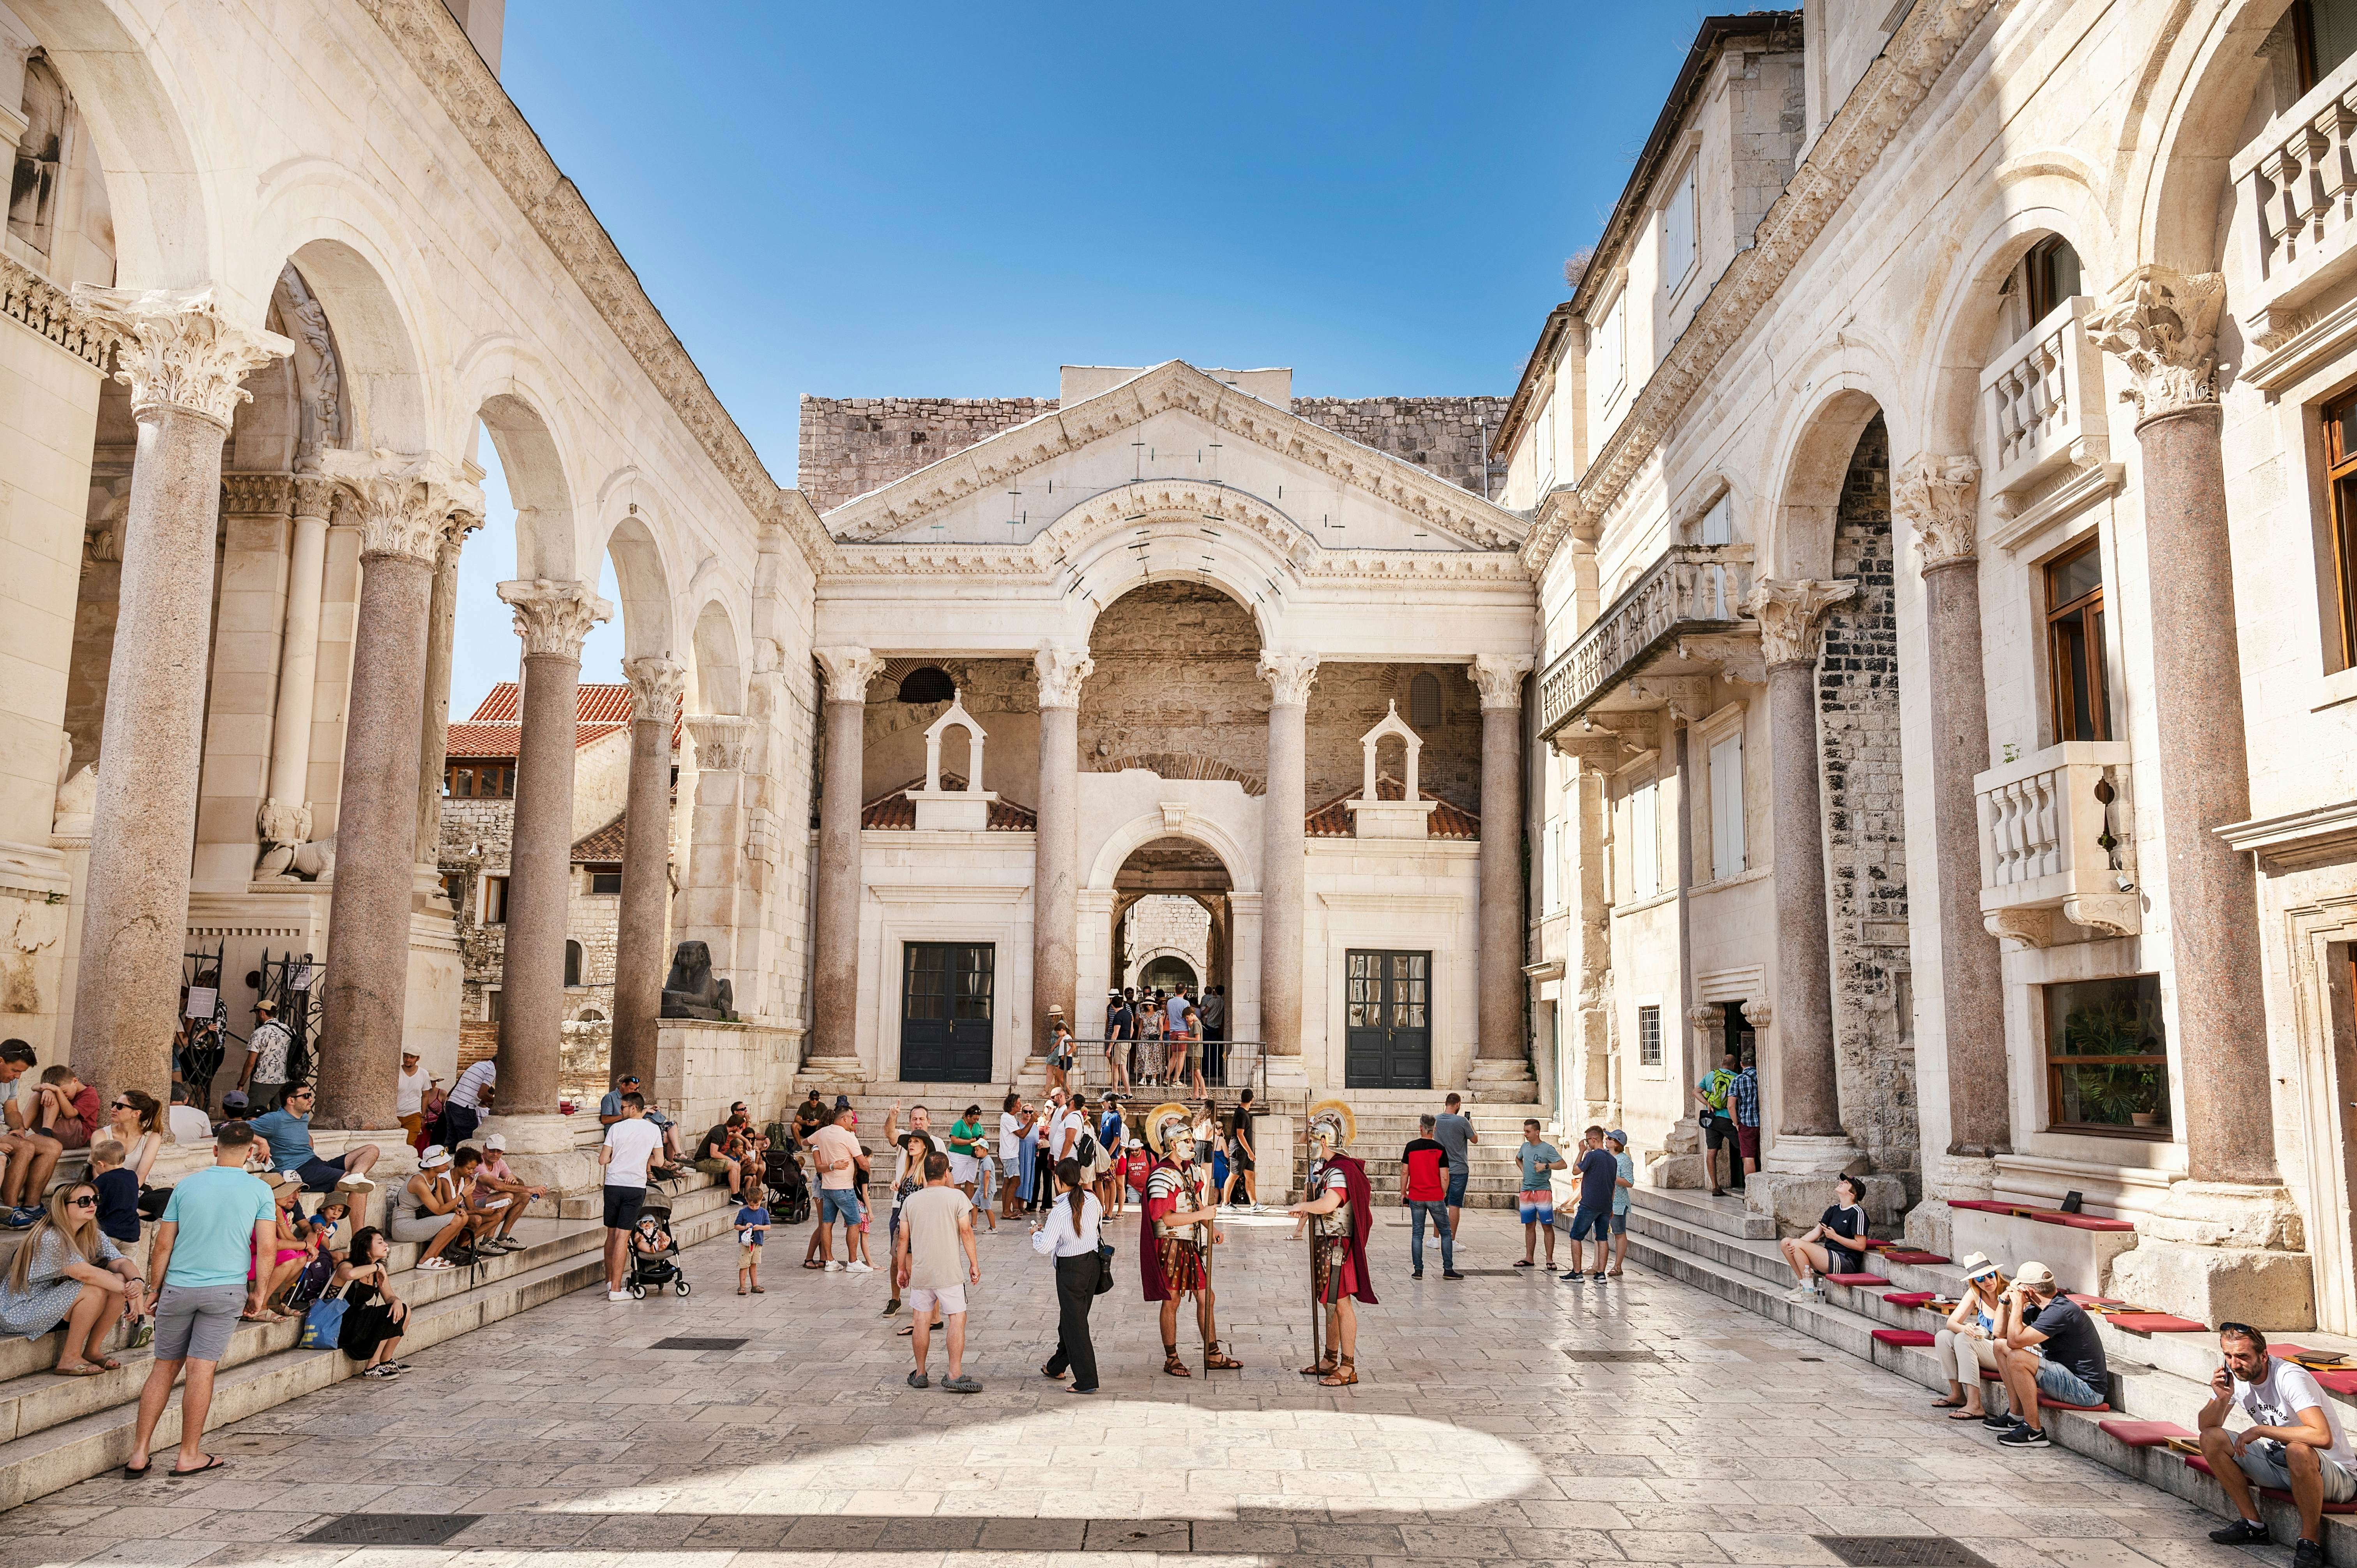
(2294, 1444)
(2046, 1344)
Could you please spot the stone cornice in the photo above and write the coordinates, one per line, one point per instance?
(431, 40)
(1897, 81)
(1175, 386)
(45, 308)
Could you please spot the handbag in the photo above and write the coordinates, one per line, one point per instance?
(323, 1323)
(1104, 1267)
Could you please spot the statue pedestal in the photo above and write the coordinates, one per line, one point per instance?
(546, 1151)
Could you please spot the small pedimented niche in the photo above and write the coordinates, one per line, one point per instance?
(1372, 816)
(953, 810)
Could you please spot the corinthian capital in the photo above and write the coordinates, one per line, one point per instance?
(1787, 609)
(315, 495)
(553, 618)
(401, 500)
(848, 671)
(656, 680)
(1061, 670)
(178, 349)
(719, 741)
(2164, 326)
(1289, 676)
(1499, 678)
(1940, 497)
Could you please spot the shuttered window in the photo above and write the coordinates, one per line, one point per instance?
(1727, 806)
(1645, 841)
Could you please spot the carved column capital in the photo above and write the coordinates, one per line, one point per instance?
(1788, 610)
(2163, 325)
(1061, 670)
(1499, 678)
(1939, 499)
(848, 671)
(1289, 678)
(656, 681)
(255, 495)
(720, 741)
(315, 495)
(1758, 1014)
(553, 618)
(401, 501)
(1708, 1016)
(177, 351)
(458, 525)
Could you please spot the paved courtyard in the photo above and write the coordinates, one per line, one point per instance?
(1480, 1434)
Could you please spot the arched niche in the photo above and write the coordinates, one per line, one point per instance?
(384, 396)
(719, 675)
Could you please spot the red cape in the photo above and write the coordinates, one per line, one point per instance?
(1363, 1212)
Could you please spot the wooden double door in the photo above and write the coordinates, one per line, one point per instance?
(1387, 1019)
(947, 991)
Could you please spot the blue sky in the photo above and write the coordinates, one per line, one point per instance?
(955, 199)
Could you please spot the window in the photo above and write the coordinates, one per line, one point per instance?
(1645, 841)
(494, 1010)
(454, 887)
(1727, 806)
(1609, 346)
(1717, 524)
(1423, 701)
(605, 882)
(2341, 459)
(495, 901)
(927, 685)
(1678, 230)
(1543, 440)
(1551, 854)
(480, 781)
(2108, 1056)
(2051, 270)
(572, 964)
(2075, 640)
(1649, 1036)
(2325, 33)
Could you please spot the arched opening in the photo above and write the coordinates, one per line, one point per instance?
(930, 684)
(572, 964)
(1173, 930)
(1176, 690)
(1168, 975)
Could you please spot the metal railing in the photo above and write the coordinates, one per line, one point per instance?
(1226, 1065)
(1692, 588)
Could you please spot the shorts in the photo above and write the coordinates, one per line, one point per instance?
(1456, 1179)
(1241, 1162)
(321, 1176)
(286, 1254)
(193, 1323)
(68, 1133)
(838, 1203)
(950, 1299)
(1586, 1222)
(1061, 1064)
(622, 1207)
(712, 1167)
(2063, 1386)
(1619, 1222)
(2264, 1464)
(494, 1203)
(749, 1254)
(1750, 1138)
(1538, 1205)
(965, 1170)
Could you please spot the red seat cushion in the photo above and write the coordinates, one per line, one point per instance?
(2083, 1222)
(2092, 1300)
(1856, 1279)
(2196, 1462)
(2338, 1382)
(2045, 1403)
(1908, 1298)
(1990, 1377)
(1903, 1336)
(2143, 1434)
(1983, 1204)
(1915, 1258)
(2154, 1323)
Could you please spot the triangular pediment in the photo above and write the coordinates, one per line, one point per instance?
(1174, 424)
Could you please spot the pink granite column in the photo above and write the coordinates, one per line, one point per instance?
(552, 618)
(835, 941)
(1502, 1068)
(1056, 853)
(640, 959)
(1284, 848)
(183, 361)
(402, 503)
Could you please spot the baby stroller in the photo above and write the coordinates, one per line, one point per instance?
(789, 1198)
(654, 1256)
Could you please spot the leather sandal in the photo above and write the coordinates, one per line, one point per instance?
(1322, 1370)
(1342, 1376)
(1172, 1364)
(1218, 1359)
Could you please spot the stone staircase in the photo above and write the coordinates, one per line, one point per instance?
(1716, 1245)
(55, 1431)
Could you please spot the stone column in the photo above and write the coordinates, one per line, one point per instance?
(1810, 1140)
(285, 808)
(2226, 1243)
(434, 728)
(1502, 1068)
(1056, 874)
(835, 941)
(1939, 496)
(552, 618)
(402, 502)
(640, 961)
(183, 361)
(715, 845)
(1284, 845)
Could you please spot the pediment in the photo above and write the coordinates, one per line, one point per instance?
(1190, 431)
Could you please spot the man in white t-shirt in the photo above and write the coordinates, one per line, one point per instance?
(630, 1144)
(469, 1098)
(409, 1095)
(2294, 1442)
(189, 1125)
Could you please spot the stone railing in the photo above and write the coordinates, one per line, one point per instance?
(2298, 181)
(2055, 837)
(1692, 588)
(29, 298)
(2043, 401)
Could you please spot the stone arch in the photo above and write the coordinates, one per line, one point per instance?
(386, 401)
(1811, 470)
(537, 483)
(1145, 827)
(719, 670)
(644, 584)
(1155, 531)
(1176, 690)
(2192, 100)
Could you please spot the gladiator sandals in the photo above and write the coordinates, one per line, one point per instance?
(1324, 1367)
(1341, 1376)
(1172, 1364)
(1219, 1360)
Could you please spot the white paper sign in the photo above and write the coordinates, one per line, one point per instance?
(201, 1002)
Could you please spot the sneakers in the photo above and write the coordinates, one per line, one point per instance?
(1597, 1278)
(2308, 1554)
(21, 1218)
(856, 1267)
(961, 1384)
(1416, 1275)
(1573, 1278)
(919, 1381)
(2243, 1533)
(834, 1267)
(356, 1183)
(2025, 1436)
(618, 1296)
(387, 1371)
(1996, 1423)
(1801, 1295)
(1450, 1274)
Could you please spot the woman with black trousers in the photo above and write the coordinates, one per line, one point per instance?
(1070, 1235)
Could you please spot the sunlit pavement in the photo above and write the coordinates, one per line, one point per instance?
(1476, 1434)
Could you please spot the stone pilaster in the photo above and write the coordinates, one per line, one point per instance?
(834, 958)
(640, 961)
(434, 725)
(286, 814)
(552, 618)
(2227, 1243)
(183, 361)
(248, 615)
(716, 849)
(1284, 869)
(402, 503)
(1056, 874)
(1502, 1068)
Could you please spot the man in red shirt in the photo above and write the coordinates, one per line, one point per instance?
(1423, 1187)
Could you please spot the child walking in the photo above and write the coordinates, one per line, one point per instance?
(752, 1232)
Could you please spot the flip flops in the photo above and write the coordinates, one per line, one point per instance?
(212, 1462)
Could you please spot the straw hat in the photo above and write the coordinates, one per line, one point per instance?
(1168, 1126)
(1331, 1120)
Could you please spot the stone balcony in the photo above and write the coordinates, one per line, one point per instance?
(1691, 590)
(2043, 411)
(2055, 839)
(2297, 178)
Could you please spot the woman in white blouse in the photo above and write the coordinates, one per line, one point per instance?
(1070, 1234)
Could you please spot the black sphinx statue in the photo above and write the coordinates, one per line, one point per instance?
(692, 992)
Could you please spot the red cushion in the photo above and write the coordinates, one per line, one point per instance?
(1903, 1336)
(1990, 1377)
(2092, 1300)
(2143, 1434)
(1915, 1258)
(2338, 1382)
(1908, 1298)
(1983, 1204)
(2286, 1352)
(2154, 1323)
(1856, 1279)
(2083, 1222)
(2196, 1462)
(2045, 1403)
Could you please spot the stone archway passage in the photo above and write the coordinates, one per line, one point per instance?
(1165, 867)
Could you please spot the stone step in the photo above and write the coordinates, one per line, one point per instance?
(1728, 1216)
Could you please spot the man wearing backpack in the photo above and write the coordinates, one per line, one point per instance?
(1711, 1097)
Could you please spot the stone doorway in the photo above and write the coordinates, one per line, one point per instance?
(1158, 875)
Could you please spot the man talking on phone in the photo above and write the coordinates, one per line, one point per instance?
(2294, 1443)
(2046, 1345)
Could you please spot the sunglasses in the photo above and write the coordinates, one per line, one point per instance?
(125, 1105)
(83, 1202)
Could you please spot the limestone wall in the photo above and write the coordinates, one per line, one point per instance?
(1448, 435)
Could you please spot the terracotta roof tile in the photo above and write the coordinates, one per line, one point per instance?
(603, 846)
(894, 810)
(471, 738)
(1332, 820)
(596, 702)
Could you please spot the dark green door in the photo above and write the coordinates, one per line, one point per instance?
(1387, 1020)
(945, 1023)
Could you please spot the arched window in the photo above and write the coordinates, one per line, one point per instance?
(572, 964)
(927, 685)
(1423, 701)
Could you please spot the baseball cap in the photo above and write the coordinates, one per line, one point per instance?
(1979, 1266)
(496, 1141)
(1618, 1136)
(234, 1100)
(2033, 1274)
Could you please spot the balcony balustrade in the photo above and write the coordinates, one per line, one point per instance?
(1690, 589)
(2054, 838)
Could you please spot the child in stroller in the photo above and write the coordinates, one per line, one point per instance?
(790, 1199)
(654, 1256)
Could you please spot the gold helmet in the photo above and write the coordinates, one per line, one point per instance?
(1330, 1122)
(1170, 1129)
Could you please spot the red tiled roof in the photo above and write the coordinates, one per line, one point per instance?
(471, 738)
(595, 703)
(893, 809)
(1332, 820)
(604, 846)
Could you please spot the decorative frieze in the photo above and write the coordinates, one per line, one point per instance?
(176, 349)
(401, 501)
(1061, 671)
(1789, 610)
(554, 619)
(257, 495)
(1289, 678)
(2163, 326)
(1939, 499)
(27, 297)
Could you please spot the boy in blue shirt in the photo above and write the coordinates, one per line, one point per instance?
(1539, 1160)
(752, 1230)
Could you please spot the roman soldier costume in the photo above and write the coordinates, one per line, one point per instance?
(1337, 1238)
(1172, 1261)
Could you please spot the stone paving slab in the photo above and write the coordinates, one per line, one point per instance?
(1474, 1439)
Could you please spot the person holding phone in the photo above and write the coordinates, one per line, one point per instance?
(1968, 1343)
(2047, 1344)
(2294, 1442)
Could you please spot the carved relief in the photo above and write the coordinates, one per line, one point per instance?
(720, 740)
(1939, 497)
(315, 357)
(1789, 610)
(554, 619)
(848, 671)
(176, 348)
(656, 682)
(401, 501)
(2163, 325)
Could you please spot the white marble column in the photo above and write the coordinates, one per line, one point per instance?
(640, 961)
(285, 808)
(183, 361)
(1284, 869)
(707, 900)
(835, 942)
(1056, 852)
(402, 502)
(552, 618)
(1501, 1067)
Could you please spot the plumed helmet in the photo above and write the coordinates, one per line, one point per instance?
(1332, 1123)
(1170, 1128)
